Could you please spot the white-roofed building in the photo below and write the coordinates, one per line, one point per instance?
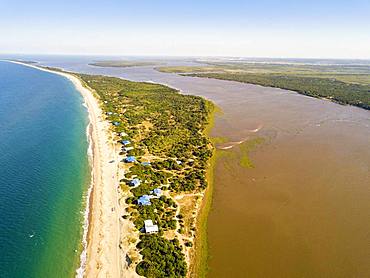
(150, 228)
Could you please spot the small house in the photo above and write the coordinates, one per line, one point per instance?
(125, 142)
(145, 163)
(116, 123)
(157, 192)
(144, 200)
(126, 149)
(130, 159)
(135, 182)
(122, 134)
(179, 162)
(109, 113)
(150, 228)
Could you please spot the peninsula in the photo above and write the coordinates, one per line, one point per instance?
(160, 155)
(150, 157)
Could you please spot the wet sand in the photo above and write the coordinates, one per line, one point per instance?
(303, 210)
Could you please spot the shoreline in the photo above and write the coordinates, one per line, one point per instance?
(88, 207)
(199, 263)
(100, 256)
(296, 91)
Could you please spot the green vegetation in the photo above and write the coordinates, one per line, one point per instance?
(187, 69)
(162, 211)
(168, 128)
(200, 265)
(344, 84)
(245, 148)
(161, 257)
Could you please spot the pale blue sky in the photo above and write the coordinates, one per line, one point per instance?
(264, 28)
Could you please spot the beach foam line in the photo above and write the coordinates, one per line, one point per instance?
(80, 272)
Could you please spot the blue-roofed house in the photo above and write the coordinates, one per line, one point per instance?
(135, 182)
(116, 123)
(157, 192)
(125, 142)
(144, 200)
(130, 159)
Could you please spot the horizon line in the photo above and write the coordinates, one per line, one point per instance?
(180, 56)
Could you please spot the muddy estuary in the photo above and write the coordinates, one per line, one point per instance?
(299, 205)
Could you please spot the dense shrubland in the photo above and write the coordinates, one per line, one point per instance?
(169, 128)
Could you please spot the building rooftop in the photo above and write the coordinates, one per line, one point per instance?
(130, 159)
(148, 222)
(125, 142)
(126, 149)
(144, 200)
(157, 192)
(149, 227)
(135, 182)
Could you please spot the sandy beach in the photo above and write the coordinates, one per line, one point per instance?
(105, 248)
(104, 231)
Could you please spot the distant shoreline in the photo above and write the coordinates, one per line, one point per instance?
(122, 64)
(341, 87)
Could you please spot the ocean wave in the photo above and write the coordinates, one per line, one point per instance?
(85, 225)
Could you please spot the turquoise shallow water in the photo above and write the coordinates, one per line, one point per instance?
(44, 173)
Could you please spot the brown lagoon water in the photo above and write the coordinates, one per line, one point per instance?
(303, 210)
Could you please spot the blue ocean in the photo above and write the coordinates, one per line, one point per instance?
(44, 173)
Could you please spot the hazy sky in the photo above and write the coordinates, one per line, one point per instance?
(258, 28)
